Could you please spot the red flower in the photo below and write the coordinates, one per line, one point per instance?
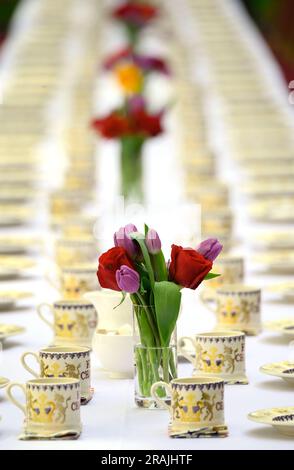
(188, 268)
(134, 120)
(109, 263)
(135, 14)
(112, 126)
(149, 124)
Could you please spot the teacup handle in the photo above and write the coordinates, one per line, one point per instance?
(159, 400)
(42, 315)
(207, 302)
(28, 368)
(182, 350)
(11, 397)
(54, 280)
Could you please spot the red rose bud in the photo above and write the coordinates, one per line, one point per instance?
(188, 268)
(127, 279)
(109, 263)
(122, 238)
(153, 242)
(210, 248)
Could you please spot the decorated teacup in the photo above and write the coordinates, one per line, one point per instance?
(52, 407)
(218, 354)
(197, 405)
(237, 307)
(70, 250)
(231, 269)
(63, 361)
(75, 281)
(73, 321)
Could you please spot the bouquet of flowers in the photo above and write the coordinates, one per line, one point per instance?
(134, 16)
(132, 125)
(136, 265)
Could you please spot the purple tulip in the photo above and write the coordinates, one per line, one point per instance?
(153, 242)
(127, 279)
(151, 64)
(136, 103)
(210, 248)
(122, 238)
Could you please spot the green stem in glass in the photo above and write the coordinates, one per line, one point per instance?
(131, 167)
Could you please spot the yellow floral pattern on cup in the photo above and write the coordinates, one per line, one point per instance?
(232, 311)
(41, 409)
(189, 408)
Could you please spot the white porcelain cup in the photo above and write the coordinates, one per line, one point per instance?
(115, 353)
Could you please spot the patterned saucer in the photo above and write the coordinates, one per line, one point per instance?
(3, 382)
(282, 419)
(70, 434)
(284, 370)
(10, 330)
(13, 214)
(274, 240)
(278, 261)
(14, 266)
(17, 244)
(184, 432)
(9, 298)
(285, 290)
(86, 400)
(284, 327)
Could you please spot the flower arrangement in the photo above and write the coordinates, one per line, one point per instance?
(132, 125)
(134, 16)
(136, 265)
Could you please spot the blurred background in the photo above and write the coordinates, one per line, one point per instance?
(275, 20)
(273, 17)
(7, 8)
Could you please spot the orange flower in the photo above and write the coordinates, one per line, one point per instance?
(130, 78)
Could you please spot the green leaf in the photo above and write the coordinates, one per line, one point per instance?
(140, 239)
(124, 294)
(211, 276)
(146, 229)
(159, 266)
(167, 299)
(146, 334)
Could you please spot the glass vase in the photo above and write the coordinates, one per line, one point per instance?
(131, 168)
(153, 364)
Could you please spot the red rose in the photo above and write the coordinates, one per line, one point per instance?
(109, 263)
(188, 268)
(136, 14)
(149, 124)
(112, 126)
